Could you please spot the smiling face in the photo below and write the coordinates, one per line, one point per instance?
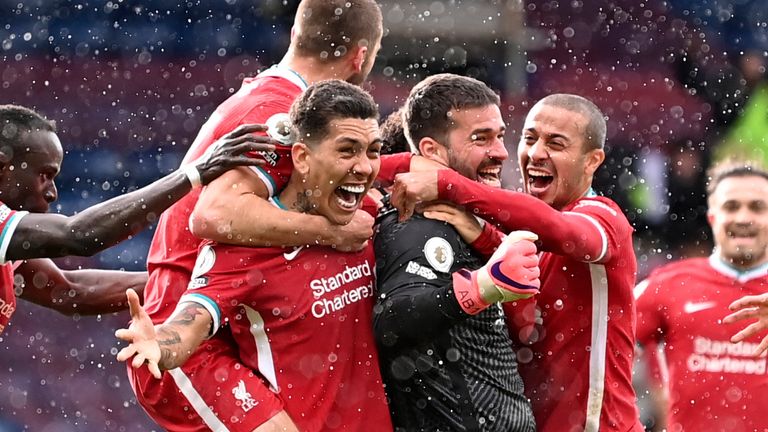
(27, 180)
(338, 171)
(476, 144)
(738, 215)
(554, 158)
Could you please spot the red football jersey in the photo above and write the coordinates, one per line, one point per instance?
(302, 320)
(8, 221)
(580, 331)
(174, 249)
(714, 385)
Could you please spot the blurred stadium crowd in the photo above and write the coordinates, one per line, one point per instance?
(129, 84)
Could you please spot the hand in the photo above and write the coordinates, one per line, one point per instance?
(468, 226)
(143, 346)
(511, 274)
(513, 269)
(353, 236)
(230, 151)
(411, 189)
(748, 307)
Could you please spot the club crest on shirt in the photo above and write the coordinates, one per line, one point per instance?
(439, 254)
(281, 129)
(205, 260)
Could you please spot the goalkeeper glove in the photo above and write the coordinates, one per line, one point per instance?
(512, 273)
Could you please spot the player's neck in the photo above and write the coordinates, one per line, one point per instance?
(739, 266)
(312, 70)
(293, 198)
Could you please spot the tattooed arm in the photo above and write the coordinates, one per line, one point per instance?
(168, 345)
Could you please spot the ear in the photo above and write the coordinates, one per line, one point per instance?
(433, 150)
(710, 217)
(358, 59)
(593, 161)
(300, 154)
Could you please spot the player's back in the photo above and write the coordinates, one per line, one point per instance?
(714, 384)
(173, 250)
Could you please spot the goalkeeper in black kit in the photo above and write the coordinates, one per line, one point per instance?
(447, 360)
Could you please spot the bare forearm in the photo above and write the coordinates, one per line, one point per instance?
(100, 291)
(180, 336)
(98, 227)
(253, 221)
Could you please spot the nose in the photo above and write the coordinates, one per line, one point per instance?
(537, 151)
(498, 150)
(363, 166)
(51, 193)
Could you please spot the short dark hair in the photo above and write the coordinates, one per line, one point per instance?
(594, 134)
(325, 101)
(332, 28)
(16, 120)
(430, 101)
(733, 168)
(393, 134)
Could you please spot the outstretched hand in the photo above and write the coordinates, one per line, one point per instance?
(230, 151)
(750, 307)
(140, 335)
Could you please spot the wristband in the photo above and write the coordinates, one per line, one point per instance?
(193, 175)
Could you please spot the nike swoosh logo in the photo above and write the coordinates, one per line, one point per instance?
(289, 256)
(690, 307)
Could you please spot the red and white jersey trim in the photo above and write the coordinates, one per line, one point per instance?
(266, 361)
(599, 346)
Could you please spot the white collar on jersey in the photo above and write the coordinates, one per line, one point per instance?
(287, 73)
(732, 272)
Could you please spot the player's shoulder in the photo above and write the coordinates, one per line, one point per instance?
(415, 231)
(597, 202)
(676, 274)
(604, 209)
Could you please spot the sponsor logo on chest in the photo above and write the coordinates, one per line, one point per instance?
(342, 289)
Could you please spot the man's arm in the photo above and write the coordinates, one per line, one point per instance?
(234, 210)
(85, 292)
(168, 345)
(106, 224)
(563, 233)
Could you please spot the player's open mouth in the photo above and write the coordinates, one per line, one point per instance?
(738, 234)
(539, 181)
(349, 196)
(490, 176)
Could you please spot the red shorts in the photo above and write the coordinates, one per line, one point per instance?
(212, 391)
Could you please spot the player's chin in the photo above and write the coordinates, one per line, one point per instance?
(341, 214)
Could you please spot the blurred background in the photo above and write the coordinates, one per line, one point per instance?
(129, 84)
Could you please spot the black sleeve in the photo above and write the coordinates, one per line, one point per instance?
(415, 300)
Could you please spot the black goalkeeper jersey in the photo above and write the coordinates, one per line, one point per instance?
(444, 370)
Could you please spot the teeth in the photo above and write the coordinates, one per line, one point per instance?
(358, 189)
(538, 173)
(346, 204)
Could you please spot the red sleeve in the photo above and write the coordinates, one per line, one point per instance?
(651, 322)
(392, 165)
(370, 206)
(561, 233)
(489, 240)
